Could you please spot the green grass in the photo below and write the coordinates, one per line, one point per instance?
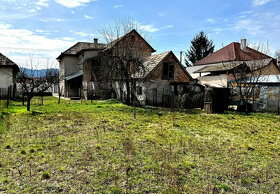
(99, 147)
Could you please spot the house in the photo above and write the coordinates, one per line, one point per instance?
(8, 71)
(216, 68)
(81, 71)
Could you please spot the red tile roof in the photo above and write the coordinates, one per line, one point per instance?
(232, 52)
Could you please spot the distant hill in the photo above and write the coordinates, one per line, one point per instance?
(37, 72)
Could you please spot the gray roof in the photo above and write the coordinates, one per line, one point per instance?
(264, 79)
(150, 63)
(79, 46)
(219, 67)
(73, 76)
(269, 79)
(257, 64)
(5, 61)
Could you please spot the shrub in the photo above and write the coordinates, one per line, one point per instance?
(45, 175)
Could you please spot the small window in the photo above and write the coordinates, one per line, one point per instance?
(133, 38)
(168, 71)
(139, 90)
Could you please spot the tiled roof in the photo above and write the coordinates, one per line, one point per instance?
(114, 42)
(232, 52)
(6, 61)
(257, 64)
(79, 46)
(150, 63)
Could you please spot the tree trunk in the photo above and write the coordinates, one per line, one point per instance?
(127, 92)
(22, 99)
(28, 103)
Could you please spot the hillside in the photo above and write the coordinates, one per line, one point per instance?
(83, 147)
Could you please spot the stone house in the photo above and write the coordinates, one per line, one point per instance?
(8, 71)
(80, 71)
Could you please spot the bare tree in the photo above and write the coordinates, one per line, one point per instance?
(122, 60)
(244, 76)
(34, 82)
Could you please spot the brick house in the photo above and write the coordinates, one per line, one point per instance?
(215, 69)
(8, 71)
(80, 71)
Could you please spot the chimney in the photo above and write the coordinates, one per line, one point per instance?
(243, 44)
(95, 40)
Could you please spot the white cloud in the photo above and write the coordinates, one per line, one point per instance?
(161, 14)
(19, 43)
(211, 20)
(260, 2)
(166, 27)
(118, 6)
(88, 17)
(84, 34)
(33, 10)
(151, 28)
(43, 3)
(148, 28)
(73, 3)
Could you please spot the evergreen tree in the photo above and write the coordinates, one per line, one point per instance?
(200, 47)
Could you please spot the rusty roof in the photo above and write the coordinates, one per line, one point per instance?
(232, 52)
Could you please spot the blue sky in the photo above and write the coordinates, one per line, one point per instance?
(44, 28)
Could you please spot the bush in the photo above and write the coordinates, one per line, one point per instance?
(45, 175)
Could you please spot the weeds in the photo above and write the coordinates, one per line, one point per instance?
(99, 147)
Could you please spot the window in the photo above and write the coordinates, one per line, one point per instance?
(168, 71)
(139, 90)
(133, 38)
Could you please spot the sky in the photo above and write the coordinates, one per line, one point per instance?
(42, 29)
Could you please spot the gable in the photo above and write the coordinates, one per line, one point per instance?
(180, 74)
(126, 40)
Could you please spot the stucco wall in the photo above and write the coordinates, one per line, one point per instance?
(219, 80)
(6, 77)
(69, 65)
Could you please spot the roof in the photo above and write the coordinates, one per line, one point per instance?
(192, 71)
(265, 79)
(5, 61)
(219, 67)
(257, 64)
(253, 65)
(153, 61)
(232, 52)
(115, 42)
(73, 76)
(150, 63)
(79, 46)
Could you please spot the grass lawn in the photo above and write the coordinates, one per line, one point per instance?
(100, 147)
